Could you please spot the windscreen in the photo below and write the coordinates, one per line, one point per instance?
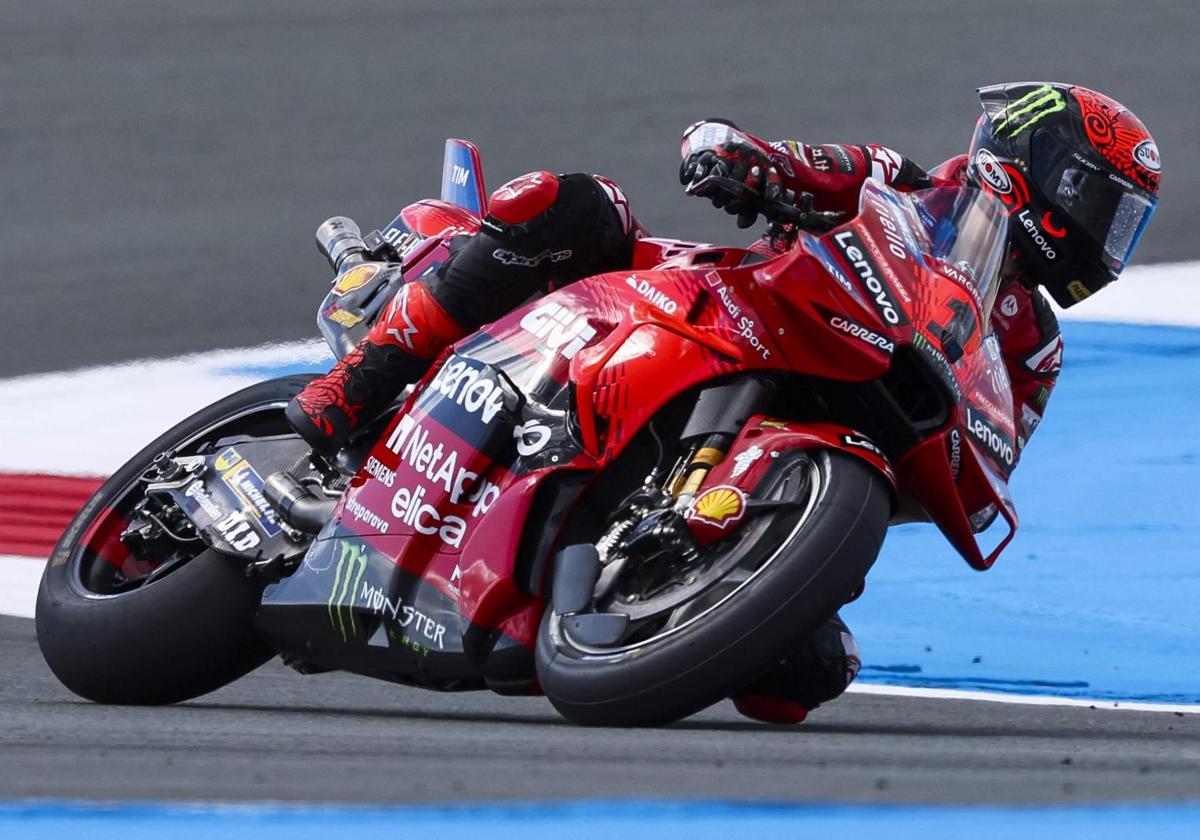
(968, 230)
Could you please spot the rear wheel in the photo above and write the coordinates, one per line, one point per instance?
(155, 621)
(704, 630)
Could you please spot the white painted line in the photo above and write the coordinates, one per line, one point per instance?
(19, 579)
(90, 421)
(1019, 699)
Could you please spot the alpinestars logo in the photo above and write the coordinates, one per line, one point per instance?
(868, 272)
(1027, 111)
(399, 306)
(513, 258)
(351, 566)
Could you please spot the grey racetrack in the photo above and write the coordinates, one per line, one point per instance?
(163, 167)
(279, 735)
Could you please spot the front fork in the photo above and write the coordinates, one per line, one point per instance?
(716, 420)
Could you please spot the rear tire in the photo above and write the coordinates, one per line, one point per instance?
(815, 570)
(177, 636)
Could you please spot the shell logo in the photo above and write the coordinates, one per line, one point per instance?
(355, 278)
(719, 506)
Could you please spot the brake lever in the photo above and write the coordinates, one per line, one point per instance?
(803, 216)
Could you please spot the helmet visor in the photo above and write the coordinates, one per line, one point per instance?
(1108, 209)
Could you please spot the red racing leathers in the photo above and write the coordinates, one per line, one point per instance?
(545, 230)
(1022, 319)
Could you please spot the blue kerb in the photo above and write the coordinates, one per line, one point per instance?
(584, 820)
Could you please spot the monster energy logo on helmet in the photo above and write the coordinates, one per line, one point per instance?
(351, 566)
(1027, 111)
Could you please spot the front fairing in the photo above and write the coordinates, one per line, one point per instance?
(911, 280)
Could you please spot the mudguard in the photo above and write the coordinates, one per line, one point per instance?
(732, 482)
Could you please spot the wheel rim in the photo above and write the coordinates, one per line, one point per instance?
(100, 565)
(561, 636)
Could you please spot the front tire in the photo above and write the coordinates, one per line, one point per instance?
(165, 637)
(816, 567)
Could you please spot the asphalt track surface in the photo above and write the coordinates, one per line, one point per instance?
(163, 166)
(163, 169)
(330, 737)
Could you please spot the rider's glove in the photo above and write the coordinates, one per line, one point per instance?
(717, 147)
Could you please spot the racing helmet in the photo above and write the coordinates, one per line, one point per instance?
(1078, 174)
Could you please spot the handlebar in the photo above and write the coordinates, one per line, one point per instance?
(776, 210)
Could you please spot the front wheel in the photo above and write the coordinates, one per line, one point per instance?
(781, 575)
(163, 622)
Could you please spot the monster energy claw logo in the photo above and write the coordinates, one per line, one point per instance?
(1030, 109)
(351, 566)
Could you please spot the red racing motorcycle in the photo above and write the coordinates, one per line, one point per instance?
(635, 494)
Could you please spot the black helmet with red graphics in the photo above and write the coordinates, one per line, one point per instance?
(1079, 175)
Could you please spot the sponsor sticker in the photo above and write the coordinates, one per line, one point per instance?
(855, 252)
(1078, 290)
(247, 485)
(197, 492)
(844, 163)
(943, 365)
(355, 278)
(473, 388)
(1146, 156)
(885, 163)
(561, 330)
(1028, 111)
(507, 257)
(719, 506)
(531, 437)
(1030, 419)
(437, 466)
(348, 574)
(862, 442)
(1038, 237)
(236, 531)
(744, 460)
(1046, 360)
(745, 325)
(343, 317)
(994, 440)
(815, 247)
(353, 590)
(647, 290)
(992, 172)
(955, 445)
(226, 459)
(863, 334)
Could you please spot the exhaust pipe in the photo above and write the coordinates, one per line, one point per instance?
(296, 504)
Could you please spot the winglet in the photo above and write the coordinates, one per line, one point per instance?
(462, 177)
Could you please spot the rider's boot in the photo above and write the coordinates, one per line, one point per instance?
(819, 671)
(542, 230)
(396, 352)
